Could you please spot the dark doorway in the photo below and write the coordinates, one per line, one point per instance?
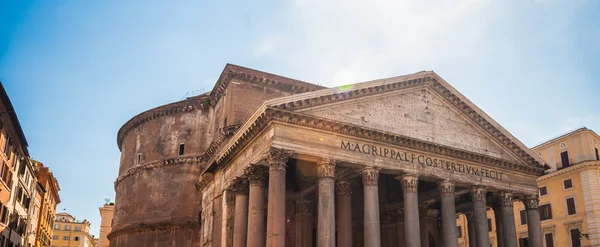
(575, 238)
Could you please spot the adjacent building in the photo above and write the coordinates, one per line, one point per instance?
(49, 199)
(106, 215)
(70, 232)
(260, 160)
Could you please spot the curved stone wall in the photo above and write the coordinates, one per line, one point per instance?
(155, 203)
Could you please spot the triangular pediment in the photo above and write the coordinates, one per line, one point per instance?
(420, 106)
(419, 114)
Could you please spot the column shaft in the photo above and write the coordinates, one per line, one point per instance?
(372, 231)
(534, 227)
(508, 220)
(304, 223)
(471, 229)
(412, 231)
(240, 221)
(277, 159)
(450, 237)
(480, 214)
(343, 213)
(499, 226)
(256, 236)
(326, 204)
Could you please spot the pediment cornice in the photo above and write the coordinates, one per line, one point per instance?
(278, 115)
(435, 83)
(288, 109)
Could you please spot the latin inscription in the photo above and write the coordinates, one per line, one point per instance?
(420, 160)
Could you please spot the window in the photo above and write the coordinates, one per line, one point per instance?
(181, 148)
(549, 240)
(459, 228)
(564, 158)
(55, 237)
(67, 227)
(545, 212)
(489, 225)
(7, 146)
(76, 238)
(543, 191)
(78, 228)
(523, 217)
(571, 206)
(575, 238)
(567, 184)
(597, 155)
(523, 242)
(139, 159)
(65, 237)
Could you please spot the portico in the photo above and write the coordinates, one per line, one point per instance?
(382, 163)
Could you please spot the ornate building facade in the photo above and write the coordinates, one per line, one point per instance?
(264, 160)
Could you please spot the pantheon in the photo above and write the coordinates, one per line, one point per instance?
(265, 160)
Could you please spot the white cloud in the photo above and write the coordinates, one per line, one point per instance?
(358, 40)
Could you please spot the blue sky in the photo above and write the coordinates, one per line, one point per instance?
(77, 70)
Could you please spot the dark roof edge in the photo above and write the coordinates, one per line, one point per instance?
(13, 118)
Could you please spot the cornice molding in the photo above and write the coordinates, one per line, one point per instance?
(271, 114)
(159, 226)
(187, 105)
(160, 164)
(573, 168)
(433, 83)
(233, 72)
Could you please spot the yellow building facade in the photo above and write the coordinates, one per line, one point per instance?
(106, 215)
(48, 200)
(69, 232)
(569, 194)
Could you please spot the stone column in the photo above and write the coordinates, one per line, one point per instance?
(450, 237)
(412, 230)
(534, 227)
(372, 231)
(304, 223)
(478, 195)
(499, 225)
(277, 159)
(240, 221)
(343, 212)
(326, 204)
(256, 236)
(508, 220)
(471, 229)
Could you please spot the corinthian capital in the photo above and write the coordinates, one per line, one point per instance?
(326, 168)
(506, 199)
(409, 183)
(277, 158)
(446, 188)
(531, 202)
(478, 193)
(343, 188)
(240, 186)
(370, 175)
(257, 175)
(304, 206)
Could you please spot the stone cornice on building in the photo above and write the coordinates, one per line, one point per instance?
(271, 114)
(570, 169)
(232, 72)
(186, 105)
(281, 110)
(564, 137)
(160, 164)
(159, 226)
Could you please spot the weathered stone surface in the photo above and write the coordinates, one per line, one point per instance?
(420, 114)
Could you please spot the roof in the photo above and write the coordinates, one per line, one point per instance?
(430, 78)
(13, 117)
(563, 136)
